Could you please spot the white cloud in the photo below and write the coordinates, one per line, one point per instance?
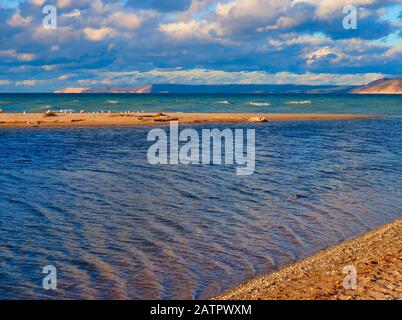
(37, 2)
(252, 8)
(394, 51)
(125, 20)
(26, 57)
(302, 40)
(11, 53)
(49, 67)
(73, 14)
(323, 53)
(64, 77)
(98, 34)
(63, 3)
(326, 8)
(19, 21)
(237, 15)
(190, 29)
(27, 83)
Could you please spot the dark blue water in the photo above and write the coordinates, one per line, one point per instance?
(361, 104)
(86, 201)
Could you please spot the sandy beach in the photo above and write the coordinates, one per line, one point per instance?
(146, 119)
(377, 257)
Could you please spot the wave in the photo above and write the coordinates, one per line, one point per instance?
(259, 104)
(298, 102)
(112, 101)
(223, 102)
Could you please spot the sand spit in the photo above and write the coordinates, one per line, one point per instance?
(146, 119)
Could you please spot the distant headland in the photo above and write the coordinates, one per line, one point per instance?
(382, 86)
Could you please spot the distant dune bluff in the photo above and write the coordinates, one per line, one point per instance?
(72, 90)
(218, 89)
(382, 86)
(138, 90)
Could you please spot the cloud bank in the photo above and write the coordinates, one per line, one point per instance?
(133, 42)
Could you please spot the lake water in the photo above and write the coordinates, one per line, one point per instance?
(86, 201)
(361, 104)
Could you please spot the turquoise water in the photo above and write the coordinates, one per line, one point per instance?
(86, 201)
(370, 104)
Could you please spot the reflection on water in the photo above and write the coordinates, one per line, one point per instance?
(86, 201)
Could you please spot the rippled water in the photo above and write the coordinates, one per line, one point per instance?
(86, 201)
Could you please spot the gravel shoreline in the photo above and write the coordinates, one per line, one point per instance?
(376, 255)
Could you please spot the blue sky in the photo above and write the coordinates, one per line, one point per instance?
(101, 43)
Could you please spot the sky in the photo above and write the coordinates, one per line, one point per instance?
(104, 43)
